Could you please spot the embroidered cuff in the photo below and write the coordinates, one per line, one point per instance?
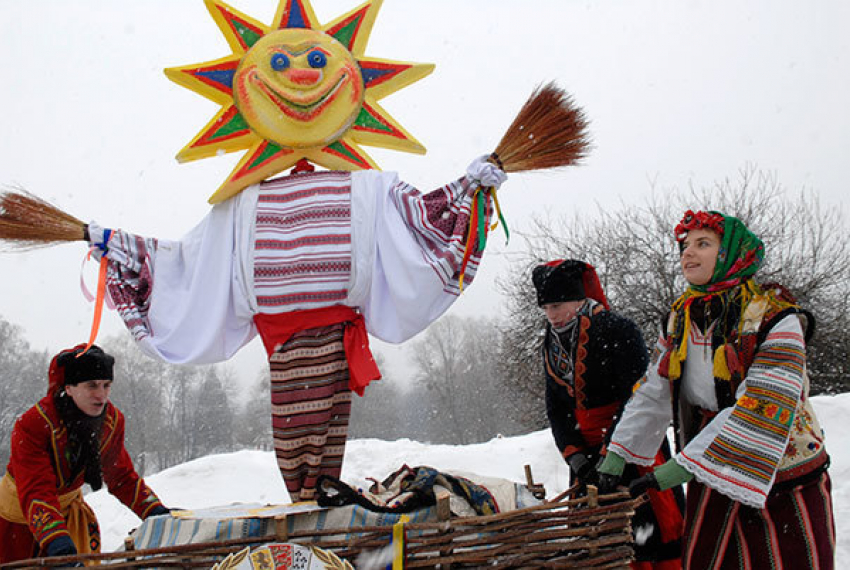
(46, 523)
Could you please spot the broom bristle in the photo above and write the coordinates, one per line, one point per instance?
(549, 132)
(27, 221)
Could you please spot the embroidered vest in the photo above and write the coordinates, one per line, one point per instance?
(576, 384)
(805, 451)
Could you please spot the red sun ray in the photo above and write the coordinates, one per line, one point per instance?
(377, 72)
(346, 152)
(374, 122)
(229, 126)
(218, 76)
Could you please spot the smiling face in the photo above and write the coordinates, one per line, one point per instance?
(299, 88)
(90, 396)
(699, 255)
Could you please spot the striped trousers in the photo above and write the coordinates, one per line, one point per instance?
(311, 406)
(795, 530)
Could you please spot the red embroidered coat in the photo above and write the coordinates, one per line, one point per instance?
(39, 465)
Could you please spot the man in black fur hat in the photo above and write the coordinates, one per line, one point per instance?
(72, 436)
(592, 358)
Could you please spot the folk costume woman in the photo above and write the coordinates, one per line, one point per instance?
(74, 435)
(730, 374)
(592, 358)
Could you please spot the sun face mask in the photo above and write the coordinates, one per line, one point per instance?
(296, 90)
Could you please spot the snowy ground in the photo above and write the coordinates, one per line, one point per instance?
(252, 476)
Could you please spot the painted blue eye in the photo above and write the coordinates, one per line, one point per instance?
(317, 59)
(279, 62)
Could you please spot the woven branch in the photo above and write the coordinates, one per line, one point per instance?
(27, 221)
(563, 534)
(550, 131)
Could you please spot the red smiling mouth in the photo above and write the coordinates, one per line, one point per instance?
(307, 108)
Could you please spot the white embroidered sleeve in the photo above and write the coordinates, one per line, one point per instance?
(189, 301)
(408, 249)
(645, 419)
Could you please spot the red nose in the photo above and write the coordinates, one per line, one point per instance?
(303, 76)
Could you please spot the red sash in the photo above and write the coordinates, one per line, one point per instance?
(277, 329)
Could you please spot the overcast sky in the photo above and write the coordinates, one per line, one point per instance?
(677, 92)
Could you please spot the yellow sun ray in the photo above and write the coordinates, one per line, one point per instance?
(296, 90)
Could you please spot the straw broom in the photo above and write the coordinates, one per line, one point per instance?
(550, 131)
(27, 221)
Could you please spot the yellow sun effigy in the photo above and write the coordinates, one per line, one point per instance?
(296, 90)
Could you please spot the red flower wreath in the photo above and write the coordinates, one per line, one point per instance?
(698, 220)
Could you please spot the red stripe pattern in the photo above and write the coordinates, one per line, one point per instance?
(129, 278)
(311, 405)
(795, 530)
(303, 242)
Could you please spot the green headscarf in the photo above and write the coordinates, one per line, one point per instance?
(739, 257)
(741, 251)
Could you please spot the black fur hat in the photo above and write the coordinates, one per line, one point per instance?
(558, 281)
(76, 365)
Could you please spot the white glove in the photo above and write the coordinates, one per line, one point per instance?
(485, 173)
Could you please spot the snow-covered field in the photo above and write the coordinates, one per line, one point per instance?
(252, 476)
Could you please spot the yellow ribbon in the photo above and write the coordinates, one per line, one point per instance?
(398, 543)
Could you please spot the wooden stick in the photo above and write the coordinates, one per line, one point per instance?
(281, 528)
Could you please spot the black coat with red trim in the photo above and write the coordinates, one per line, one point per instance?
(40, 466)
(609, 356)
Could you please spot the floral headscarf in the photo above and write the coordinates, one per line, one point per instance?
(741, 252)
(740, 255)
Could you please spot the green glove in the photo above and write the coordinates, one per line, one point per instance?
(612, 465)
(670, 474)
(610, 473)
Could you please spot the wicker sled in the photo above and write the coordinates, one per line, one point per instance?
(592, 531)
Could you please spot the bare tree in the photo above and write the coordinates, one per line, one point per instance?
(457, 364)
(380, 412)
(253, 427)
(137, 392)
(173, 413)
(807, 250)
(213, 418)
(23, 380)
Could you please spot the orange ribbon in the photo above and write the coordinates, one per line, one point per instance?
(98, 304)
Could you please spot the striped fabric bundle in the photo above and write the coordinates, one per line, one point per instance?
(129, 278)
(302, 256)
(156, 532)
(311, 405)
